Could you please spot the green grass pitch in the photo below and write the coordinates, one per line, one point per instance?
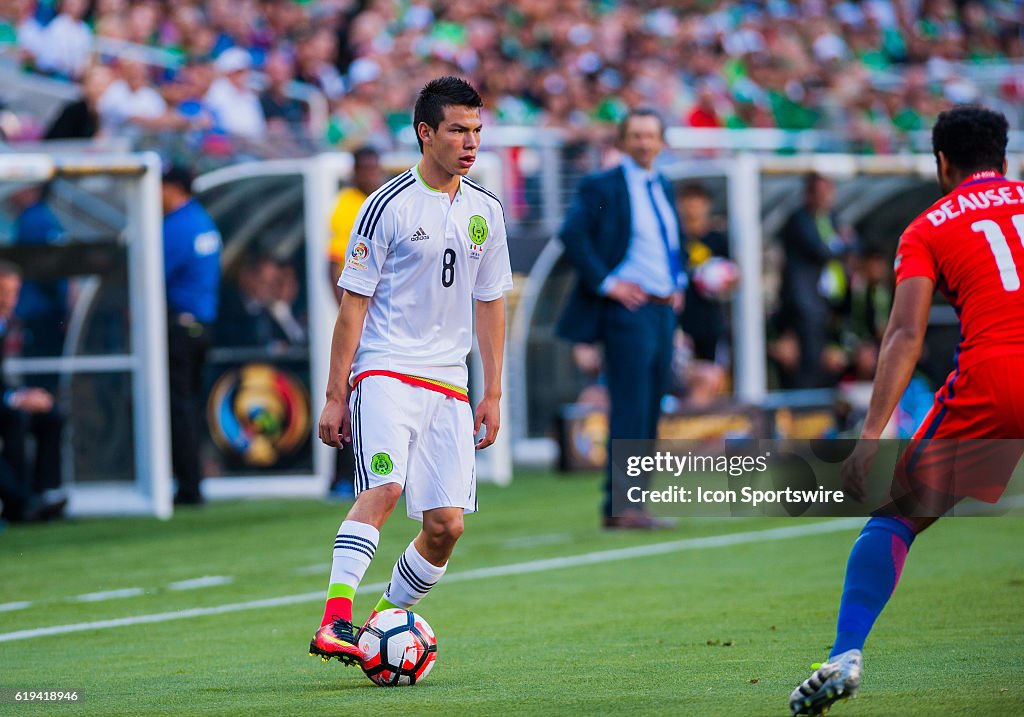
(696, 630)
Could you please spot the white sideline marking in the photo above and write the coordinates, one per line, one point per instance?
(207, 581)
(531, 566)
(643, 551)
(110, 595)
(12, 606)
(528, 541)
(323, 568)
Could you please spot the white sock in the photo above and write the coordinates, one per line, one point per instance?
(412, 578)
(353, 550)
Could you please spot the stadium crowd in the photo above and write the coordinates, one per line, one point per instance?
(870, 70)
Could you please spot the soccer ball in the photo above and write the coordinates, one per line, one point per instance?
(399, 648)
(716, 278)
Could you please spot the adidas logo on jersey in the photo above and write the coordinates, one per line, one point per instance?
(420, 235)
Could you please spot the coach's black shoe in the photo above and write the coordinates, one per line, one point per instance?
(336, 639)
(39, 509)
(54, 503)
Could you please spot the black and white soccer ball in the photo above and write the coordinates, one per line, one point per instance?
(399, 648)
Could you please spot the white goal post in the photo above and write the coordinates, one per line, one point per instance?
(127, 190)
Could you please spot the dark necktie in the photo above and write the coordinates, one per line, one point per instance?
(674, 262)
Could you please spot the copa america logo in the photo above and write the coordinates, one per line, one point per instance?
(360, 251)
(258, 413)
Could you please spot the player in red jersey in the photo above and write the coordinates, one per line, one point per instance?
(969, 245)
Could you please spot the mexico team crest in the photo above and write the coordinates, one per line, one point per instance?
(381, 464)
(477, 229)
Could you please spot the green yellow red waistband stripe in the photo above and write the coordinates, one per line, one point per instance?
(431, 384)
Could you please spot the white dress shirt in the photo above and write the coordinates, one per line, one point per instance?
(647, 262)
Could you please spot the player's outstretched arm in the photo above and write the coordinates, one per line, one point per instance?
(490, 336)
(335, 420)
(901, 348)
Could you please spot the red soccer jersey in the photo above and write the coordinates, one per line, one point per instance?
(971, 244)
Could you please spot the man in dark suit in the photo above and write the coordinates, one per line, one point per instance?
(622, 234)
(30, 486)
(813, 277)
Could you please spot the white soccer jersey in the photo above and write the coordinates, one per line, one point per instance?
(423, 259)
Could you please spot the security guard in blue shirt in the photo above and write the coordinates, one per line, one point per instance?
(192, 246)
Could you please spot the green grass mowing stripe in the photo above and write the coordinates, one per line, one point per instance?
(532, 566)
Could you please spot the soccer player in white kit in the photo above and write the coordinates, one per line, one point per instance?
(427, 249)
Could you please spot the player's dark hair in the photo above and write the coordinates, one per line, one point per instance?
(641, 112)
(694, 190)
(447, 91)
(971, 137)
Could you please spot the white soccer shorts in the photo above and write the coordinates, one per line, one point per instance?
(420, 439)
